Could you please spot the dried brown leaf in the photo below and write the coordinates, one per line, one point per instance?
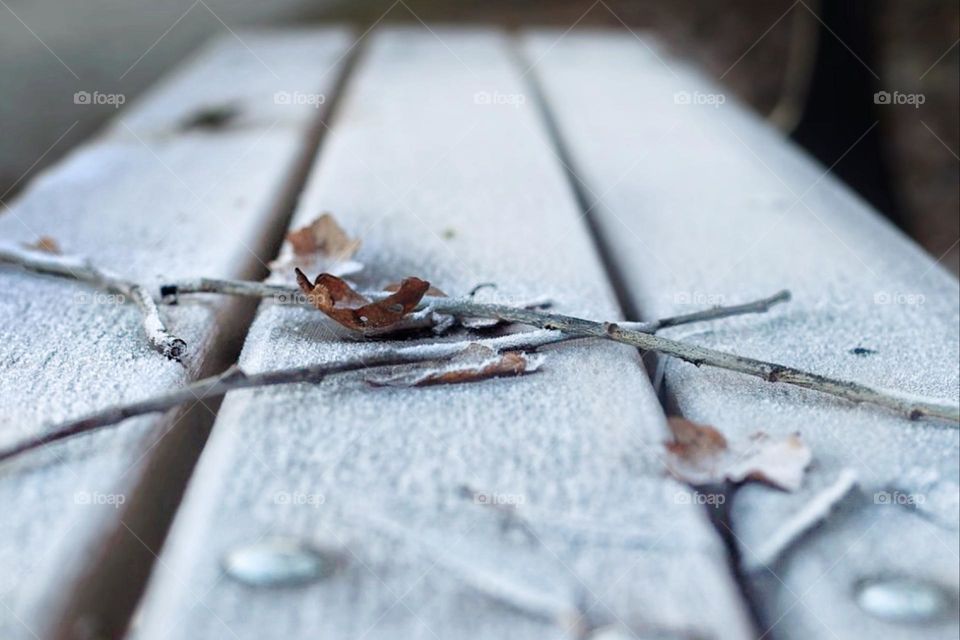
(45, 244)
(476, 362)
(700, 455)
(338, 300)
(323, 236)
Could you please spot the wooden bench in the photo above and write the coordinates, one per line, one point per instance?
(589, 167)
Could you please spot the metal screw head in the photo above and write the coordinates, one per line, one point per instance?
(280, 562)
(903, 599)
(610, 632)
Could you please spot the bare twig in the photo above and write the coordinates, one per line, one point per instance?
(80, 269)
(291, 295)
(219, 385)
(700, 356)
(216, 386)
(642, 339)
(714, 313)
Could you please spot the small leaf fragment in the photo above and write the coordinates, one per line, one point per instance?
(700, 455)
(46, 244)
(476, 362)
(322, 246)
(323, 235)
(339, 301)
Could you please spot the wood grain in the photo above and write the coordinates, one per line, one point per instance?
(153, 202)
(700, 203)
(440, 162)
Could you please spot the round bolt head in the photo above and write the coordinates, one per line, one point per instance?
(280, 562)
(903, 599)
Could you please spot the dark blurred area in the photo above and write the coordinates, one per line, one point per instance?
(868, 87)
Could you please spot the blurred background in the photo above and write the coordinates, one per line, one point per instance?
(868, 86)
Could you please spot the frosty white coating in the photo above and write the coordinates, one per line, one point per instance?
(701, 203)
(522, 507)
(167, 204)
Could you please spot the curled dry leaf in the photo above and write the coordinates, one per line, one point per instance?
(338, 300)
(324, 236)
(45, 244)
(700, 455)
(476, 362)
(322, 245)
(426, 318)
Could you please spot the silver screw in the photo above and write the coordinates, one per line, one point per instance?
(902, 599)
(611, 632)
(280, 562)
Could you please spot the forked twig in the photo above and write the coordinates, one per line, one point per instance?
(700, 356)
(83, 270)
(642, 339)
(234, 378)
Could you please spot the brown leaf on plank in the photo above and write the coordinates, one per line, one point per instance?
(701, 455)
(45, 244)
(476, 362)
(338, 300)
(323, 236)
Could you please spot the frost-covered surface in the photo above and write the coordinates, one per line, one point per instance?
(440, 185)
(265, 78)
(188, 204)
(700, 206)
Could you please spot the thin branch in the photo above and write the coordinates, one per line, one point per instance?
(700, 356)
(291, 295)
(216, 386)
(80, 269)
(714, 313)
(234, 378)
(695, 354)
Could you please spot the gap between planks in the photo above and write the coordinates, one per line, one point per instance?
(421, 461)
(95, 592)
(118, 576)
(653, 363)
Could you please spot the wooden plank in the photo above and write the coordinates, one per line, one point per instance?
(252, 81)
(700, 203)
(173, 206)
(440, 163)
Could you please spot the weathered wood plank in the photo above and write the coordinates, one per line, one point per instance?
(700, 203)
(252, 81)
(439, 162)
(175, 205)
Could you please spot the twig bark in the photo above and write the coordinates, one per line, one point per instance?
(234, 378)
(642, 339)
(213, 387)
(81, 269)
(700, 356)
